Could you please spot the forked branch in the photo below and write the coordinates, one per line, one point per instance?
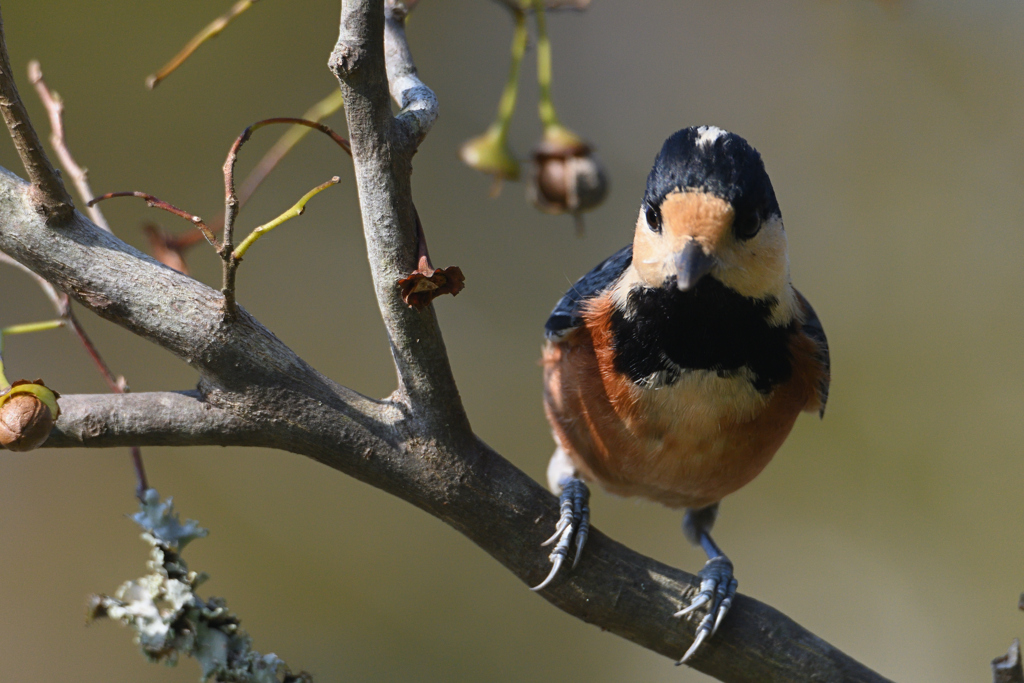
(417, 444)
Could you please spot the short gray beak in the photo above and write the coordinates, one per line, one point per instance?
(692, 263)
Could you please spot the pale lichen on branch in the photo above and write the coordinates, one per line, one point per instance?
(170, 620)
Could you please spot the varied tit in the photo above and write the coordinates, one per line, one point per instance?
(675, 369)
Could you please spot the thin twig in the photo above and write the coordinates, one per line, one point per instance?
(545, 106)
(24, 328)
(574, 5)
(265, 165)
(48, 189)
(212, 30)
(232, 204)
(287, 141)
(295, 211)
(117, 385)
(62, 305)
(55, 109)
(161, 204)
(48, 289)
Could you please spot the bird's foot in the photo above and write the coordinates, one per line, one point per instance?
(717, 590)
(572, 528)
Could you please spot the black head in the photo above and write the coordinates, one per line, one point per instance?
(711, 160)
(710, 211)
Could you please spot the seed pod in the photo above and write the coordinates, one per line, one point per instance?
(567, 177)
(28, 411)
(489, 153)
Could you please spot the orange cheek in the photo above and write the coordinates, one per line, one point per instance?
(685, 216)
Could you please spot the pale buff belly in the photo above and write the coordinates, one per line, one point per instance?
(685, 445)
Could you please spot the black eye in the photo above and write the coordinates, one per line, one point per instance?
(653, 219)
(746, 225)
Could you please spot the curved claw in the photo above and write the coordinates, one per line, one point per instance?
(559, 528)
(581, 535)
(717, 590)
(726, 604)
(699, 601)
(572, 529)
(556, 565)
(693, 648)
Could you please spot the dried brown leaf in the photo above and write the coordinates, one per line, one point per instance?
(425, 284)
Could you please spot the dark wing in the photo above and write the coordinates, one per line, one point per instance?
(568, 314)
(813, 328)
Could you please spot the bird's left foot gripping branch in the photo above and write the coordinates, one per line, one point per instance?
(675, 369)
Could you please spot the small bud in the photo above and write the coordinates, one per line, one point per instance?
(567, 177)
(28, 411)
(489, 153)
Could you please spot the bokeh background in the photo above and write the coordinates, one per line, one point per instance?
(892, 134)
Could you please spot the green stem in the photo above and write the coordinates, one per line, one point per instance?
(545, 107)
(295, 211)
(22, 329)
(507, 103)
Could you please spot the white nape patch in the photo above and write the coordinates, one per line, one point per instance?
(706, 135)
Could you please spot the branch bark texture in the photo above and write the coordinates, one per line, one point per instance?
(164, 418)
(416, 444)
(49, 194)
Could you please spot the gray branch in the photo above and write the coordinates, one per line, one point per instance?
(418, 102)
(417, 444)
(150, 419)
(382, 150)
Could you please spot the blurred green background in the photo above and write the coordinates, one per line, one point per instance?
(892, 134)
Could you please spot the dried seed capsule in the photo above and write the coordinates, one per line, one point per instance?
(28, 411)
(567, 177)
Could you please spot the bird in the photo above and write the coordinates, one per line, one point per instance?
(676, 368)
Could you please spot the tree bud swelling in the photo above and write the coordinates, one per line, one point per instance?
(28, 411)
(567, 177)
